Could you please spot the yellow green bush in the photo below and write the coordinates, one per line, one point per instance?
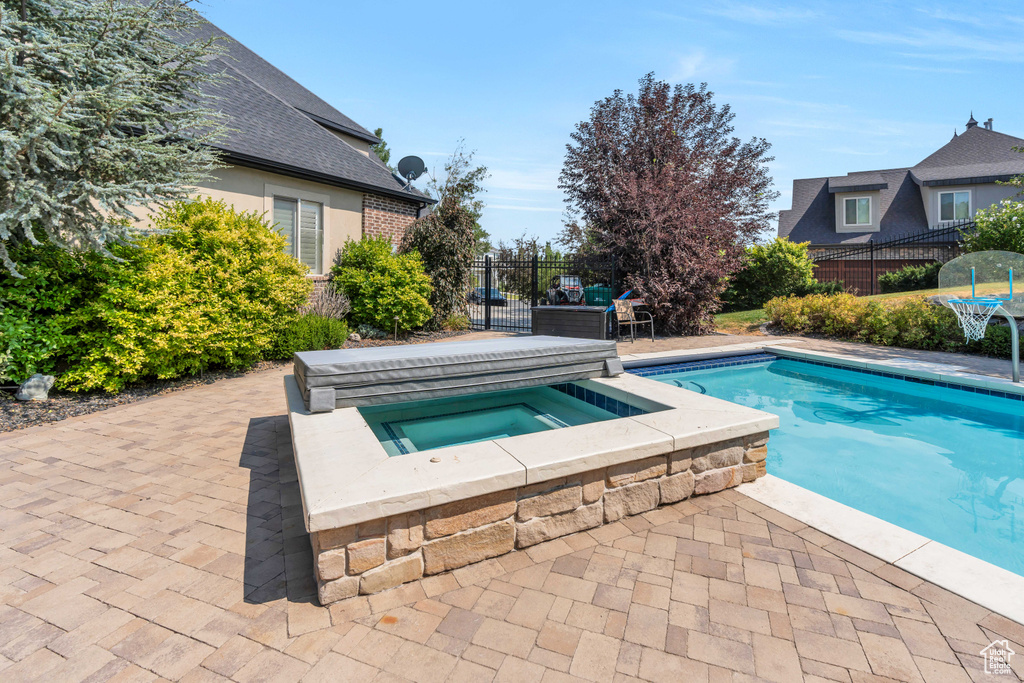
(212, 288)
(911, 323)
(383, 285)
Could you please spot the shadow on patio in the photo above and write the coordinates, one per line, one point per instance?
(278, 556)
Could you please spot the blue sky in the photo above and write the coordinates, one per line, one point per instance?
(835, 87)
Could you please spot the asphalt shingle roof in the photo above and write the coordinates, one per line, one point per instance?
(975, 153)
(278, 124)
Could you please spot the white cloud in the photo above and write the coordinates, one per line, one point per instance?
(531, 180)
(698, 64)
(760, 14)
(942, 44)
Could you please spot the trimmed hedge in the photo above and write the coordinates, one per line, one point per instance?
(311, 332)
(910, 278)
(910, 323)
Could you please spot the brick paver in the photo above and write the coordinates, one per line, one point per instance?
(164, 540)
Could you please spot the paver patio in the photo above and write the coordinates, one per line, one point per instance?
(163, 539)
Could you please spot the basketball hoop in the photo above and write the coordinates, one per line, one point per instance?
(973, 315)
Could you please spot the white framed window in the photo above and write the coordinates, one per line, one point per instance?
(856, 211)
(301, 223)
(301, 217)
(955, 205)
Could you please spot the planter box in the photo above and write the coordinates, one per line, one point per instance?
(582, 322)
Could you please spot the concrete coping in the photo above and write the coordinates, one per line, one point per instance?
(992, 587)
(938, 372)
(346, 477)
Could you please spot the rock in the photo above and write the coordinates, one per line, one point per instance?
(749, 472)
(593, 486)
(717, 455)
(339, 589)
(452, 552)
(365, 555)
(676, 487)
(405, 534)
(718, 480)
(354, 337)
(549, 503)
(755, 440)
(333, 538)
(451, 518)
(391, 574)
(637, 470)
(631, 500)
(540, 529)
(35, 388)
(330, 564)
(753, 455)
(680, 461)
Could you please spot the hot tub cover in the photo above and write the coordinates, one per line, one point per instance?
(390, 374)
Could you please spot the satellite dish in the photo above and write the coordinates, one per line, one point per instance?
(411, 168)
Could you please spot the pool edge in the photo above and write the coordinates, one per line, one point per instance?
(981, 582)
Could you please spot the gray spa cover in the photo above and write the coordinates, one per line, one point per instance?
(391, 374)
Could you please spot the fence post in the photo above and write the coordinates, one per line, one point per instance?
(534, 274)
(487, 292)
(872, 266)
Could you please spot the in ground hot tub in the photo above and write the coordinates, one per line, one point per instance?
(436, 423)
(501, 445)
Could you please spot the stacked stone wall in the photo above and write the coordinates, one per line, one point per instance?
(381, 554)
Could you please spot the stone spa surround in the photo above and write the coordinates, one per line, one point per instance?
(376, 522)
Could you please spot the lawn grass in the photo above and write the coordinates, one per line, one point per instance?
(748, 322)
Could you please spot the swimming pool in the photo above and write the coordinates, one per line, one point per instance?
(435, 423)
(941, 461)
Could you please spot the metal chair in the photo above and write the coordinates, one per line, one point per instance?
(625, 315)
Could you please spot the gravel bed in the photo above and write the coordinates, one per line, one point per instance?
(62, 405)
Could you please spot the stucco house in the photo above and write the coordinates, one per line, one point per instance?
(949, 185)
(302, 162)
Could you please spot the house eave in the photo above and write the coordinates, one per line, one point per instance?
(976, 180)
(249, 161)
(858, 188)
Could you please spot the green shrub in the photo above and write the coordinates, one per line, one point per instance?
(777, 268)
(997, 228)
(370, 332)
(910, 278)
(383, 285)
(911, 323)
(310, 332)
(816, 287)
(457, 323)
(213, 289)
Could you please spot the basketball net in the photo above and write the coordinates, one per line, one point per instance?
(974, 315)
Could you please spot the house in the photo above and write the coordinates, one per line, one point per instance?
(293, 157)
(949, 185)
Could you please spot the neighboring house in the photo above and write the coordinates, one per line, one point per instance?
(949, 185)
(309, 168)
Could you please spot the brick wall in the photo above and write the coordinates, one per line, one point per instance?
(386, 217)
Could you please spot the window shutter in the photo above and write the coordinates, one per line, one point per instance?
(284, 220)
(310, 234)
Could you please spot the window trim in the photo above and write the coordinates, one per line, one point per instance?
(286, 192)
(871, 212)
(970, 205)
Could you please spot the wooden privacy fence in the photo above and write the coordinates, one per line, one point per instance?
(859, 267)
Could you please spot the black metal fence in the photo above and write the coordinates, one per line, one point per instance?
(859, 267)
(504, 291)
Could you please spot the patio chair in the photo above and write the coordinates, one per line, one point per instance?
(625, 315)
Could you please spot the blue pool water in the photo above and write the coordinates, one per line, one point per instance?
(942, 462)
(423, 425)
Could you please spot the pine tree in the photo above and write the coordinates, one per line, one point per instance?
(100, 111)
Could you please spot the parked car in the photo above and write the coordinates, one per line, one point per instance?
(477, 295)
(566, 290)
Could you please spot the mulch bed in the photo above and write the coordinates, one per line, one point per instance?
(62, 405)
